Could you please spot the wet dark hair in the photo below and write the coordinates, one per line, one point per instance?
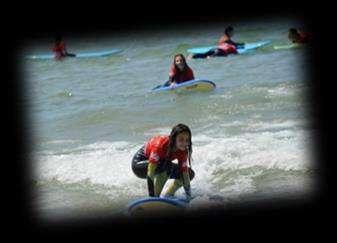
(293, 34)
(228, 29)
(184, 60)
(293, 30)
(176, 130)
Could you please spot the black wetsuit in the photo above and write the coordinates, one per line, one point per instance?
(140, 163)
(212, 52)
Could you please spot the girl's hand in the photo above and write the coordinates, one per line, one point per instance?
(188, 198)
(173, 85)
(188, 193)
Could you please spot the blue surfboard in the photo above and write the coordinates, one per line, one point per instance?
(150, 205)
(245, 48)
(192, 85)
(78, 55)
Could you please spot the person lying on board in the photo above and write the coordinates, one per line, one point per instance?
(297, 36)
(225, 46)
(226, 38)
(60, 50)
(153, 161)
(179, 71)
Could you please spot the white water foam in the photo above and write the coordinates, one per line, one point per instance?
(225, 166)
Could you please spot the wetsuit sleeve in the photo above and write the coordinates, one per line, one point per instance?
(222, 40)
(154, 156)
(183, 164)
(240, 45)
(186, 184)
(172, 74)
(150, 178)
(234, 43)
(151, 169)
(172, 71)
(65, 52)
(190, 74)
(227, 40)
(153, 163)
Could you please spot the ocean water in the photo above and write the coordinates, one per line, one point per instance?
(252, 136)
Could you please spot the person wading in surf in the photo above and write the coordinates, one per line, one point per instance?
(153, 162)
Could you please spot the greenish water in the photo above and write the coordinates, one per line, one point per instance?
(251, 135)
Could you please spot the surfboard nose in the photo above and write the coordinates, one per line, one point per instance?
(156, 207)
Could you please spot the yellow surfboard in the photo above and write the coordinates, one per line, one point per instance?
(191, 85)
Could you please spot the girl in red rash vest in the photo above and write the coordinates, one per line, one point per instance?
(179, 71)
(226, 38)
(153, 162)
(225, 46)
(296, 36)
(60, 50)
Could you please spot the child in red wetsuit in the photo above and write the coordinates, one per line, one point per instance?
(153, 162)
(226, 38)
(179, 71)
(60, 50)
(225, 46)
(296, 36)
